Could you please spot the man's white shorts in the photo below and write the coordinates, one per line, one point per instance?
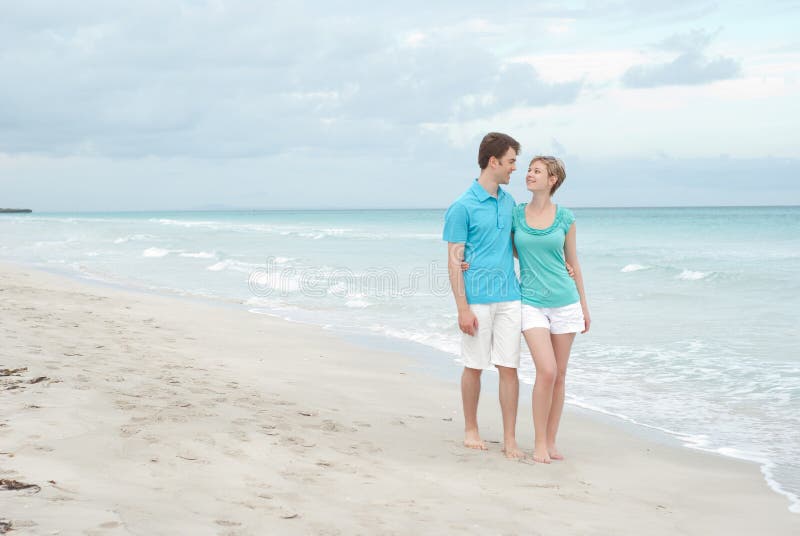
(566, 319)
(497, 341)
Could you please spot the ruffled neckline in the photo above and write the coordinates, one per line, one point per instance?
(523, 223)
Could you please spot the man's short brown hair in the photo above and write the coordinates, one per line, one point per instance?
(495, 144)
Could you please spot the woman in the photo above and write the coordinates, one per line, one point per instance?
(554, 305)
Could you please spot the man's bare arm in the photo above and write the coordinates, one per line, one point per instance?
(466, 319)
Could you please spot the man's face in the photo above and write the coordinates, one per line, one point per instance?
(506, 166)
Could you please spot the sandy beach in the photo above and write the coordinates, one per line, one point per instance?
(132, 413)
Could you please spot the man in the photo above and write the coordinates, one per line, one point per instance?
(478, 230)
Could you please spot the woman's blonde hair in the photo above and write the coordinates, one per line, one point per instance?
(554, 167)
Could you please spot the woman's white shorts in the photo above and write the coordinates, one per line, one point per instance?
(497, 340)
(566, 319)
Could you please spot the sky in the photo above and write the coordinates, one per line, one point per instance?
(172, 105)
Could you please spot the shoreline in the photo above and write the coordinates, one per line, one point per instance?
(443, 370)
(380, 430)
(446, 369)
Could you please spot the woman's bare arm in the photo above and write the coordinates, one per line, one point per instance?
(571, 256)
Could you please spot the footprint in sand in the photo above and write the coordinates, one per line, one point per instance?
(239, 435)
(124, 405)
(333, 426)
(61, 498)
(242, 421)
(227, 523)
(297, 442)
(128, 431)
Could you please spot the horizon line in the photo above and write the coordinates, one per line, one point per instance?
(350, 209)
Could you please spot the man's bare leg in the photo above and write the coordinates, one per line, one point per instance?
(470, 392)
(562, 344)
(509, 401)
(541, 348)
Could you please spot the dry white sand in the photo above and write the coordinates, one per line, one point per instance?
(166, 416)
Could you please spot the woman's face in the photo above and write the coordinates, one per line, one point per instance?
(537, 180)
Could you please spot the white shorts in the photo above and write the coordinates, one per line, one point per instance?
(497, 340)
(566, 319)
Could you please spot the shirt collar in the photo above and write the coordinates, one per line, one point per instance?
(482, 194)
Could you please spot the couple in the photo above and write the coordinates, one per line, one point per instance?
(485, 230)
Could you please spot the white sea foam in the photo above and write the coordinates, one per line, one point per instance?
(420, 236)
(439, 341)
(357, 300)
(262, 281)
(314, 233)
(338, 289)
(633, 268)
(701, 442)
(155, 253)
(273, 304)
(365, 235)
(218, 267)
(184, 223)
(50, 243)
(51, 219)
(232, 264)
(133, 238)
(690, 275)
(225, 226)
(200, 255)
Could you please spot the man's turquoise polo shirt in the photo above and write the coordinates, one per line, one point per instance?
(483, 224)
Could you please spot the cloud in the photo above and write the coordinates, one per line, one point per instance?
(237, 79)
(520, 84)
(691, 67)
(690, 41)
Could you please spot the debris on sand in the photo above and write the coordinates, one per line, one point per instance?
(14, 485)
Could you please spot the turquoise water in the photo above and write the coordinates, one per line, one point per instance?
(694, 309)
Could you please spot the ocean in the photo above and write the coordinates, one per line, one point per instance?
(695, 310)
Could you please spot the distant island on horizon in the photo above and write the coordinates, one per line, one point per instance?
(14, 210)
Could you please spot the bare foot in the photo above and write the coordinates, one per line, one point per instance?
(472, 440)
(511, 450)
(540, 455)
(554, 453)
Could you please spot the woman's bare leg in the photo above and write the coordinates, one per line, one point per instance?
(562, 345)
(541, 349)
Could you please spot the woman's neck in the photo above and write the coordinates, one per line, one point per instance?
(540, 202)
